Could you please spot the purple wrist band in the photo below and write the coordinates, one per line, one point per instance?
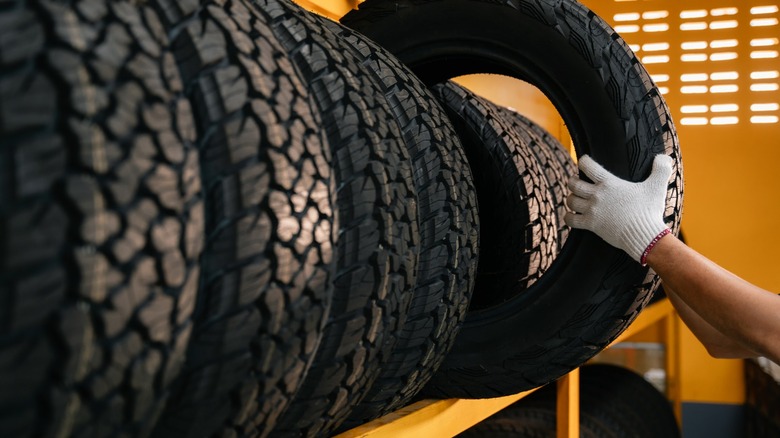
(643, 259)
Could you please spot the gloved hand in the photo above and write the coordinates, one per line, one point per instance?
(627, 215)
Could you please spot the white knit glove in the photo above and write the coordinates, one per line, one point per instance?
(627, 215)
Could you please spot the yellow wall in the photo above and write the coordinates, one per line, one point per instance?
(521, 96)
(333, 9)
(707, 380)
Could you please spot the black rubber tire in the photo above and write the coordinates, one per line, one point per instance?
(449, 231)
(533, 420)
(762, 396)
(614, 403)
(614, 112)
(626, 403)
(267, 265)
(378, 228)
(558, 165)
(534, 417)
(518, 238)
(101, 222)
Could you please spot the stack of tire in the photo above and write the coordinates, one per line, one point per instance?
(238, 218)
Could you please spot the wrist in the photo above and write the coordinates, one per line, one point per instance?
(637, 235)
(643, 259)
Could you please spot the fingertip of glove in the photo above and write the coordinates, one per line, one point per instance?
(595, 171)
(663, 160)
(584, 160)
(581, 188)
(663, 166)
(573, 181)
(573, 220)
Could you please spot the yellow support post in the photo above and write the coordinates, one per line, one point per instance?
(568, 405)
(672, 329)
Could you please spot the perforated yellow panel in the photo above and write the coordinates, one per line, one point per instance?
(717, 63)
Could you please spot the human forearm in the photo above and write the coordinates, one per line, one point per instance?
(717, 344)
(741, 311)
(630, 216)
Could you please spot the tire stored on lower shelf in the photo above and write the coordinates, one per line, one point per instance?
(614, 402)
(614, 112)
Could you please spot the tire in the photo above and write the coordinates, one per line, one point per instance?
(518, 240)
(266, 270)
(555, 160)
(528, 421)
(614, 112)
(614, 403)
(627, 403)
(762, 395)
(101, 221)
(448, 217)
(378, 232)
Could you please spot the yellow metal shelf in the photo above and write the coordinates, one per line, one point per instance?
(433, 418)
(442, 418)
(333, 9)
